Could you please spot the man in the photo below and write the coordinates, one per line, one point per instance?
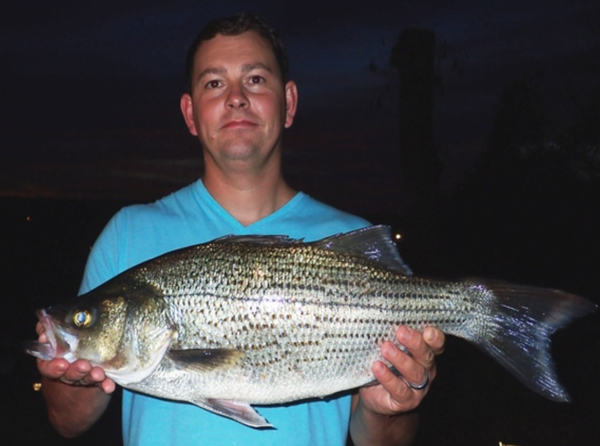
(238, 104)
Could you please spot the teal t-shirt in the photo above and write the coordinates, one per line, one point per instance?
(191, 216)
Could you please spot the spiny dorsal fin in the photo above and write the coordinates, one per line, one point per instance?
(373, 242)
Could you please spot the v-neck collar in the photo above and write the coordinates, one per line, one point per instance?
(204, 195)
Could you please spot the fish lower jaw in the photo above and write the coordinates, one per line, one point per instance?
(41, 350)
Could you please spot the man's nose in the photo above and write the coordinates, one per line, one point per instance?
(237, 98)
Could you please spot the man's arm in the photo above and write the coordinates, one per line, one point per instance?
(384, 414)
(76, 394)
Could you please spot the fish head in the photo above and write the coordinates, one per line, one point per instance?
(92, 329)
(120, 327)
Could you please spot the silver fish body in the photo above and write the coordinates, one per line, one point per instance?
(268, 320)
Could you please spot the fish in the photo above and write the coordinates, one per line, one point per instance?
(265, 320)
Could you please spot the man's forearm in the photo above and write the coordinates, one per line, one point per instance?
(370, 429)
(72, 410)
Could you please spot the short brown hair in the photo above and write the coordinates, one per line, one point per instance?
(234, 26)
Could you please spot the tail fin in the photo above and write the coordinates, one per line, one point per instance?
(517, 331)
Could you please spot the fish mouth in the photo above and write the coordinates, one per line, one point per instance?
(57, 345)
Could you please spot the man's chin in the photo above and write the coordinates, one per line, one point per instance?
(241, 152)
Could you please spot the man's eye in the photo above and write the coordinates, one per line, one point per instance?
(213, 84)
(256, 79)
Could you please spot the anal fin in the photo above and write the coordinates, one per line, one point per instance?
(236, 410)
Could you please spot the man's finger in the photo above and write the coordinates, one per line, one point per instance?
(435, 339)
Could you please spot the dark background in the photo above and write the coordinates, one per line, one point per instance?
(503, 181)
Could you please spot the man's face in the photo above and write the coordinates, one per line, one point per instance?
(238, 106)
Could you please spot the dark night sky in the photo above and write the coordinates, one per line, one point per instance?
(90, 90)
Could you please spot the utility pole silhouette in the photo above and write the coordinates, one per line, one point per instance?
(413, 58)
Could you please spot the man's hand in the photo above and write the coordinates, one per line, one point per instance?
(79, 373)
(394, 394)
(381, 414)
(76, 394)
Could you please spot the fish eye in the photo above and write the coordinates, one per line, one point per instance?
(82, 318)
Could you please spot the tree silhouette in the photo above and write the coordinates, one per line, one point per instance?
(528, 210)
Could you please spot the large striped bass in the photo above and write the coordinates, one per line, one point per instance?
(250, 320)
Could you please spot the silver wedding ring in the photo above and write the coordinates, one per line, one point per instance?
(421, 385)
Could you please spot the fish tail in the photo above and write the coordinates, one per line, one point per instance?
(518, 326)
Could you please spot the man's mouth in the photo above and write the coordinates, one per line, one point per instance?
(239, 124)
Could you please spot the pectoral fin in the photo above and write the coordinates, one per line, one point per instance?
(205, 360)
(238, 411)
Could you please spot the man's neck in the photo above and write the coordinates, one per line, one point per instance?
(248, 197)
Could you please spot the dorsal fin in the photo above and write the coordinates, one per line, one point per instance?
(373, 242)
(258, 239)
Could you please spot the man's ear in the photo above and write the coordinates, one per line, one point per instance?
(187, 110)
(291, 103)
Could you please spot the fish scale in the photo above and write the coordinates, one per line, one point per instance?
(268, 320)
